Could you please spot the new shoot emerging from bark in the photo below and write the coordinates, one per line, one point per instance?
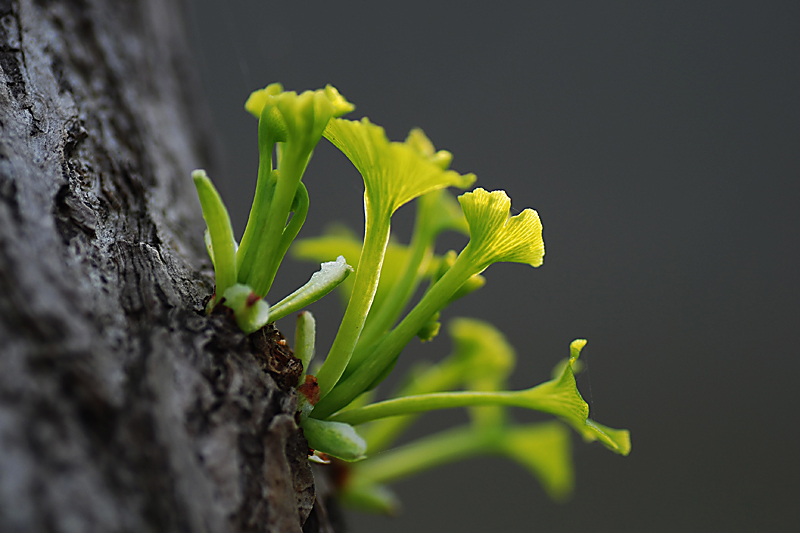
(374, 330)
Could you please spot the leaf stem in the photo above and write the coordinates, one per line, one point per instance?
(266, 261)
(422, 403)
(376, 238)
(444, 376)
(265, 187)
(299, 210)
(386, 315)
(546, 398)
(442, 448)
(387, 350)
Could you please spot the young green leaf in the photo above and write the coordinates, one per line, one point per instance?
(334, 438)
(258, 99)
(305, 335)
(394, 173)
(221, 243)
(437, 211)
(297, 121)
(322, 282)
(495, 237)
(251, 311)
(616, 440)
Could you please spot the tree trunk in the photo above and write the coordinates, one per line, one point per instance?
(122, 406)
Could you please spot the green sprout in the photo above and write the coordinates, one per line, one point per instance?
(380, 321)
(290, 125)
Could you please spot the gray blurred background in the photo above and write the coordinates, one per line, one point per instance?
(660, 143)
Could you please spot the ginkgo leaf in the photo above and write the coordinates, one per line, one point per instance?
(296, 122)
(306, 115)
(258, 99)
(558, 397)
(437, 211)
(419, 141)
(394, 173)
(546, 451)
(483, 352)
(616, 440)
(494, 236)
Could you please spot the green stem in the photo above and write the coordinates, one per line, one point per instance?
(398, 297)
(265, 187)
(549, 397)
(435, 450)
(442, 377)
(392, 344)
(266, 262)
(299, 208)
(376, 238)
(422, 403)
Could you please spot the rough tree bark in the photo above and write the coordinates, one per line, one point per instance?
(123, 407)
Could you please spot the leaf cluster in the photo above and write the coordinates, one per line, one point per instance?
(380, 319)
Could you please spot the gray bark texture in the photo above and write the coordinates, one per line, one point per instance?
(122, 406)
